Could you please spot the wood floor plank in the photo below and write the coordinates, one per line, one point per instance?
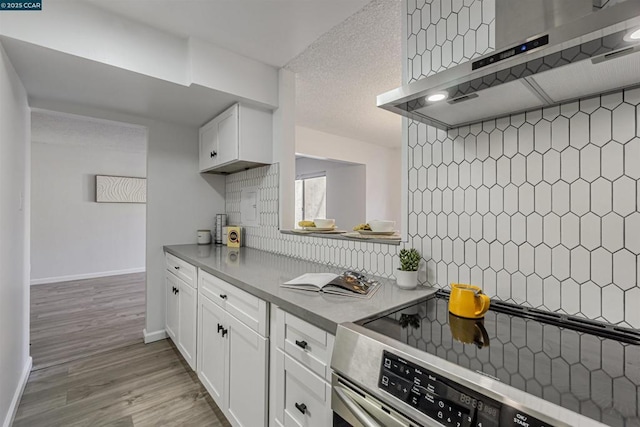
(92, 369)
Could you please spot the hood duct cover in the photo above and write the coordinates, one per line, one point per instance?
(588, 56)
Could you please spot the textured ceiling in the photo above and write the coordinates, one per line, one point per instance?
(65, 129)
(339, 76)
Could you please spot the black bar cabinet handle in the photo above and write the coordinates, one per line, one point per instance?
(220, 327)
(177, 267)
(213, 154)
(223, 296)
(301, 407)
(301, 344)
(224, 332)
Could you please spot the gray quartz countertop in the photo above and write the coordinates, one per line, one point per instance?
(261, 273)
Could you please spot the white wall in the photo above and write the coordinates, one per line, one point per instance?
(14, 239)
(383, 167)
(73, 237)
(346, 189)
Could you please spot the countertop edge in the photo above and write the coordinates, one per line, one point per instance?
(309, 316)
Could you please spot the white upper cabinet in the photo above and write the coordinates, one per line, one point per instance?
(238, 139)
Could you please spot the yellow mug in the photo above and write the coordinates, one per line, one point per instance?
(468, 301)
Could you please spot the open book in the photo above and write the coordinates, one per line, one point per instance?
(349, 283)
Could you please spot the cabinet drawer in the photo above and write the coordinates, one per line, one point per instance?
(182, 269)
(249, 309)
(308, 344)
(306, 399)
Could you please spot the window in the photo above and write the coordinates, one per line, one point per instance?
(311, 197)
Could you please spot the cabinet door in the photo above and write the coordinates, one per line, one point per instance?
(171, 324)
(227, 130)
(209, 145)
(247, 376)
(302, 398)
(187, 316)
(212, 349)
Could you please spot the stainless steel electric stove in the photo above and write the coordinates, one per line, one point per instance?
(516, 366)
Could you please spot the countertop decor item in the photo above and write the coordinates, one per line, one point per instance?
(407, 274)
(382, 225)
(468, 301)
(204, 237)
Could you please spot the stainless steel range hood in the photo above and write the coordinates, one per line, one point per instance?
(589, 53)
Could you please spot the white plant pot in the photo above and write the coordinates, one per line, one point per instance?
(407, 279)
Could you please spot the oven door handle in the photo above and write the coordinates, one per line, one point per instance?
(355, 409)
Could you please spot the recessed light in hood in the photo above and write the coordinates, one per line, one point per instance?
(437, 97)
(587, 56)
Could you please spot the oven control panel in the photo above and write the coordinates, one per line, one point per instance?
(445, 401)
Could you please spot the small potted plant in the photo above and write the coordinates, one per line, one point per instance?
(407, 274)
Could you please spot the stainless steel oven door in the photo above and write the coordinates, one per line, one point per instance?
(360, 409)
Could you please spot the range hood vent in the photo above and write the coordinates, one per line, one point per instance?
(592, 54)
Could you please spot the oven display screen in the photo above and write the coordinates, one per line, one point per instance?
(441, 399)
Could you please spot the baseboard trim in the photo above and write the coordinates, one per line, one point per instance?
(13, 408)
(86, 276)
(150, 337)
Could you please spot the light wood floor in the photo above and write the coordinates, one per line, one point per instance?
(138, 385)
(92, 369)
(72, 320)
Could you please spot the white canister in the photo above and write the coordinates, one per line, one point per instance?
(204, 237)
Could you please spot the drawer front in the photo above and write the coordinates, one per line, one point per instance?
(308, 344)
(307, 398)
(185, 271)
(249, 309)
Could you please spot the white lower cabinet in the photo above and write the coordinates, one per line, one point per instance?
(180, 325)
(303, 398)
(300, 393)
(232, 363)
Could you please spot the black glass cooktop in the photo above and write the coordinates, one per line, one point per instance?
(587, 367)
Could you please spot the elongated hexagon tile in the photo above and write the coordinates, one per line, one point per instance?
(551, 166)
(590, 163)
(526, 259)
(496, 202)
(623, 119)
(580, 262)
(560, 133)
(570, 164)
(580, 197)
(526, 198)
(624, 201)
(518, 169)
(612, 160)
(519, 288)
(489, 227)
(518, 228)
(590, 231)
(482, 254)
(511, 199)
(612, 300)
(543, 198)
(511, 257)
(612, 232)
(476, 227)
(551, 230)
(590, 300)
(624, 269)
(551, 297)
(496, 255)
(534, 229)
(600, 126)
(601, 196)
(560, 262)
(570, 295)
(542, 258)
(503, 280)
(601, 267)
(542, 136)
(482, 146)
(579, 135)
(524, 139)
(570, 230)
